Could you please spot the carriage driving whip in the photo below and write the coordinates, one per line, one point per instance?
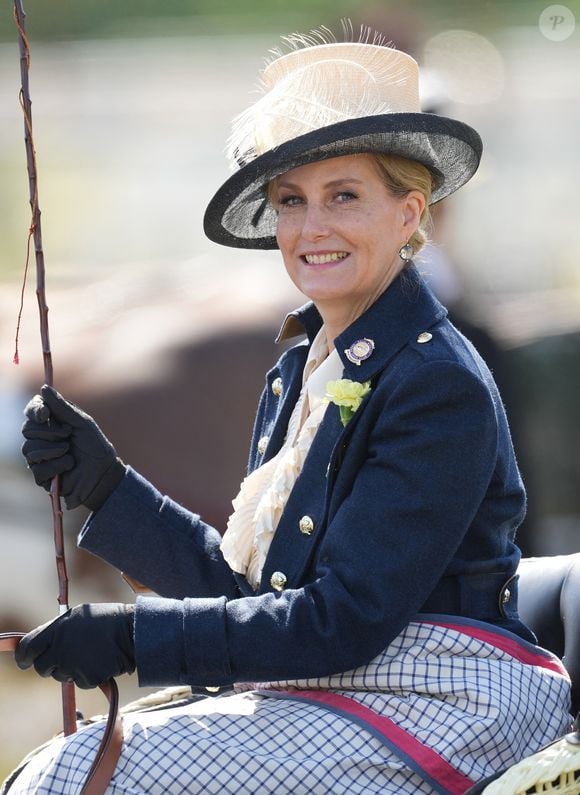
(108, 752)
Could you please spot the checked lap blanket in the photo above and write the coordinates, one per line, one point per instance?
(449, 702)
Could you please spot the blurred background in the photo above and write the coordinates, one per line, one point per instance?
(164, 337)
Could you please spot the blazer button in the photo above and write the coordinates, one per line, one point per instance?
(505, 595)
(306, 525)
(278, 580)
(424, 336)
(277, 386)
(262, 444)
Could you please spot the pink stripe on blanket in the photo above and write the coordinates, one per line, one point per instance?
(523, 652)
(437, 768)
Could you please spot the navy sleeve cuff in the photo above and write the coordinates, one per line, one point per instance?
(181, 642)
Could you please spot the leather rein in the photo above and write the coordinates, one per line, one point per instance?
(109, 750)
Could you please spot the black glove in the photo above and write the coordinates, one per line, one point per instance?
(88, 644)
(63, 440)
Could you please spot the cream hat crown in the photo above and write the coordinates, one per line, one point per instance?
(315, 87)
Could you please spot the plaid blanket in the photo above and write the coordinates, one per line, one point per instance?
(447, 703)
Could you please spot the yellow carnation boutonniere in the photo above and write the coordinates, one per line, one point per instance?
(347, 395)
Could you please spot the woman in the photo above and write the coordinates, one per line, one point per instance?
(363, 601)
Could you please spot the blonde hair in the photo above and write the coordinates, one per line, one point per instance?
(401, 175)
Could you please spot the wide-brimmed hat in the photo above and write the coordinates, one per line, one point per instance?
(327, 100)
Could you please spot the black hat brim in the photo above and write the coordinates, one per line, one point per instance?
(241, 216)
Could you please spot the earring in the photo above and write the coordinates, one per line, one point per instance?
(406, 252)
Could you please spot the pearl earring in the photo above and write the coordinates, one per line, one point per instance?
(406, 252)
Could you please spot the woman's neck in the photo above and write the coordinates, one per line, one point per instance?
(338, 314)
(338, 318)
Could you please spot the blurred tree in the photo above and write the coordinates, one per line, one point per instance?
(71, 19)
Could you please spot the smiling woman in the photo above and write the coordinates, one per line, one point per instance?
(362, 603)
(340, 230)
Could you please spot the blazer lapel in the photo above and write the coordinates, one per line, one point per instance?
(406, 309)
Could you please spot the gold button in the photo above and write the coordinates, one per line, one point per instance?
(506, 596)
(306, 525)
(278, 580)
(277, 386)
(424, 336)
(262, 444)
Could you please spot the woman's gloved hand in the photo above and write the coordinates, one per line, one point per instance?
(88, 644)
(63, 440)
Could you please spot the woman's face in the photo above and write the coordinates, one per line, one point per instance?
(340, 230)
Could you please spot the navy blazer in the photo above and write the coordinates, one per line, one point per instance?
(412, 507)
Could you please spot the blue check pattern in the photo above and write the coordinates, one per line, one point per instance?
(474, 704)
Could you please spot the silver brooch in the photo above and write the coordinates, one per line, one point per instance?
(360, 350)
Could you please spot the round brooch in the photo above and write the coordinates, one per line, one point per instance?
(360, 350)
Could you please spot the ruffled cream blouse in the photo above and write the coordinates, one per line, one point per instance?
(264, 493)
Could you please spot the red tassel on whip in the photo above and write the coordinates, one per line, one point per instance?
(35, 234)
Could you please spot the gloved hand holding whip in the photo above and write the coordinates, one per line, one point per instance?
(62, 440)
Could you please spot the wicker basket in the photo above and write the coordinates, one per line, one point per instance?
(554, 769)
